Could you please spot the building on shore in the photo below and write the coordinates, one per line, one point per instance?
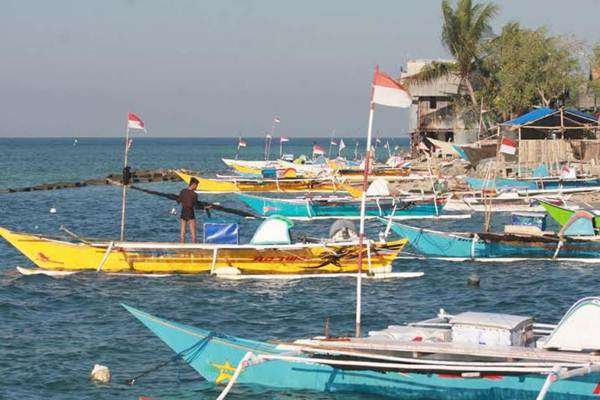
(432, 114)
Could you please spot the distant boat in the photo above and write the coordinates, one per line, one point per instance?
(342, 207)
(470, 355)
(75, 142)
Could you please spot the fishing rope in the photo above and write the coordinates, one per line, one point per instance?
(194, 351)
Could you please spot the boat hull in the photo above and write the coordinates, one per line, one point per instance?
(531, 185)
(485, 245)
(262, 185)
(58, 255)
(215, 357)
(340, 208)
(562, 215)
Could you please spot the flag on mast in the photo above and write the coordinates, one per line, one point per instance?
(333, 142)
(276, 120)
(318, 150)
(283, 139)
(389, 92)
(242, 143)
(342, 145)
(135, 122)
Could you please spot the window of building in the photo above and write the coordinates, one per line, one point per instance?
(432, 103)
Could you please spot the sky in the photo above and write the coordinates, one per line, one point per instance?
(225, 67)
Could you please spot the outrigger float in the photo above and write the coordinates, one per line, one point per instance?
(269, 253)
(472, 355)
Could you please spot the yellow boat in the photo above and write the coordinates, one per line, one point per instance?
(326, 185)
(173, 258)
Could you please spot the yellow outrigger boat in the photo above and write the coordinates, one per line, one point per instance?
(257, 258)
(325, 185)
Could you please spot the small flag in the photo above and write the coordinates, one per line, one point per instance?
(276, 120)
(333, 142)
(377, 140)
(389, 92)
(342, 145)
(283, 139)
(508, 146)
(269, 136)
(135, 122)
(318, 150)
(242, 143)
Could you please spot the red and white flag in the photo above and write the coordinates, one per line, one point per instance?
(508, 146)
(276, 120)
(333, 142)
(242, 143)
(135, 122)
(389, 92)
(318, 150)
(269, 136)
(283, 139)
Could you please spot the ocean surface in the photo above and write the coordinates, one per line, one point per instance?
(53, 330)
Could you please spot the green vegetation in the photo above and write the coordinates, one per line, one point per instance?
(506, 73)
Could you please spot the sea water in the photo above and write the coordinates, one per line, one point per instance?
(53, 330)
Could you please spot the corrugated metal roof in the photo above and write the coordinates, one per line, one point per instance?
(543, 112)
(531, 116)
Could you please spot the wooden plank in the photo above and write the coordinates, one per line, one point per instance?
(513, 353)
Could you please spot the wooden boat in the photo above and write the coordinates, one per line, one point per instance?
(533, 184)
(516, 244)
(233, 185)
(471, 355)
(342, 207)
(269, 252)
(563, 214)
(247, 167)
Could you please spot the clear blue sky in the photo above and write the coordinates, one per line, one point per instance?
(217, 68)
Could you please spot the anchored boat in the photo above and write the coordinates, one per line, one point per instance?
(472, 355)
(269, 252)
(562, 215)
(576, 240)
(343, 207)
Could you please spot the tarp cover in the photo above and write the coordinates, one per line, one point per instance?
(221, 233)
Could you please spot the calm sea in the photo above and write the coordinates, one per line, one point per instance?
(52, 331)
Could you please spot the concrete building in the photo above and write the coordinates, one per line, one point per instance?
(432, 114)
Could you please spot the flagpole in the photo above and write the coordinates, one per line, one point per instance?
(266, 141)
(280, 148)
(363, 203)
(124, 196)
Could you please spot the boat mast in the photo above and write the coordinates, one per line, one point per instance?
(363, 202)
(124, 196)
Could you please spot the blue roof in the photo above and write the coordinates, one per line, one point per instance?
(543, 112)
(531, 116)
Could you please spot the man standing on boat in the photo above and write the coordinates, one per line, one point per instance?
(188, 199)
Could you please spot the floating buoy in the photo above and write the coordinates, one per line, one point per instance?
(100, 374)
(53, 210)
(173, 211)
(473, 280)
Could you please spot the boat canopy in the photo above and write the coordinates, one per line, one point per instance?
(379, 187)
(578, 329)
(274, 230)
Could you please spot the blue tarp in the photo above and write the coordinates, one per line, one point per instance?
(221, 233)
(540, 113)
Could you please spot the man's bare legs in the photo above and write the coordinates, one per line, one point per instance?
(182, 231)
(192, 223)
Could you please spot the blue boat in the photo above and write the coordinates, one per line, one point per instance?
(340, 207)
(433, 359)
(469, 245)
(533, 184)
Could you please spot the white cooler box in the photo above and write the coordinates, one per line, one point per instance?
(489, 329)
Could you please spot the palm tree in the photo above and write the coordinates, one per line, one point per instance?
(466, 28)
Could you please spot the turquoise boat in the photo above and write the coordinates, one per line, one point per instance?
(533, 184)
(511, 357)
(470, 245)
(341, 207)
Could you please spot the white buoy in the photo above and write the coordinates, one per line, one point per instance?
(53, 210)
(100, 374)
